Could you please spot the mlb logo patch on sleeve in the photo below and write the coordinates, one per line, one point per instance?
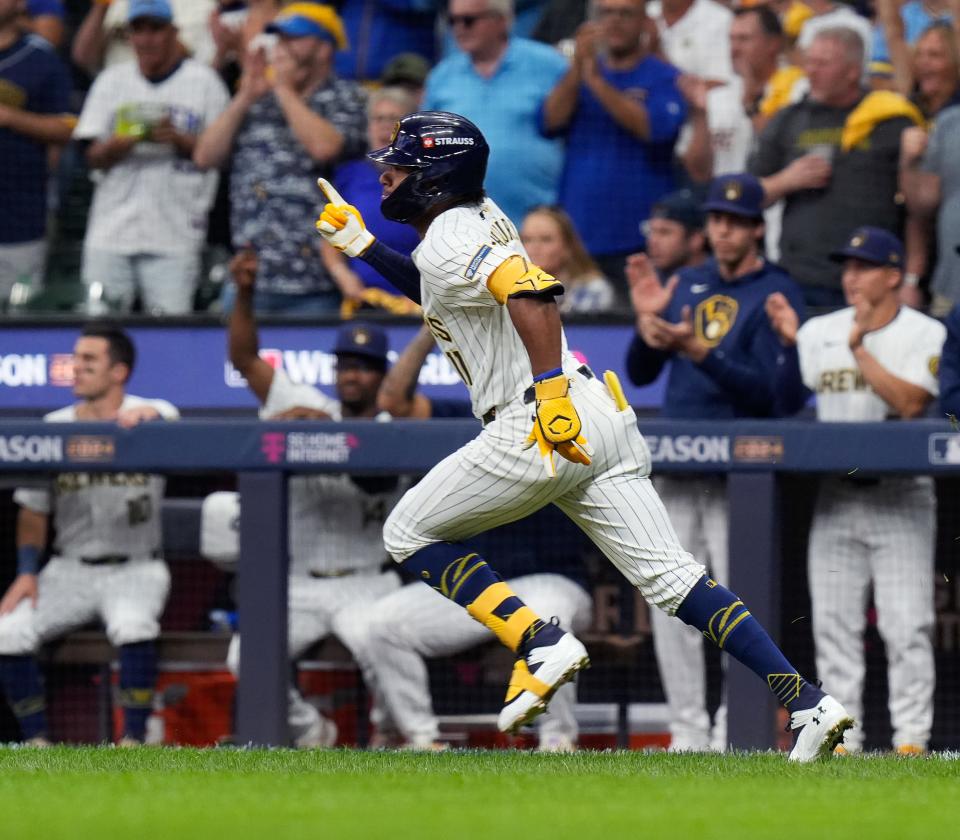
(475, 262)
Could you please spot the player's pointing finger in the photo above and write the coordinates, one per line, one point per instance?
(330, 191)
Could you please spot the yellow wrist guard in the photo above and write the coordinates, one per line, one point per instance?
(516, 276)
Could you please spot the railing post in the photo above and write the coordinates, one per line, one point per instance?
(754, 506)
(262, 610)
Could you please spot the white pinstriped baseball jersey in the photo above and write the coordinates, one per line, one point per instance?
(334, 524)
(909, 347)
(102, 513)
(462, 248)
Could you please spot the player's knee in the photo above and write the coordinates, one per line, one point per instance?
(352, 627)
(18, 633)
(398, 537)
(129, 628)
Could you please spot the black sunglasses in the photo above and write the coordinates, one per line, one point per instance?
(469, 20)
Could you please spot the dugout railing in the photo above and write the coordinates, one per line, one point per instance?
(754, 455)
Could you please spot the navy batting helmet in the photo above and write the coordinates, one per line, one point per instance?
(448, 156)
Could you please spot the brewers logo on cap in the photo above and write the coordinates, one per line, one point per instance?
(894, 258)
(732, 190)
(361, 336)
(857, 241)
(395, 132)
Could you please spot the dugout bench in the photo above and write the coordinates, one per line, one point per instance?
(751, 453)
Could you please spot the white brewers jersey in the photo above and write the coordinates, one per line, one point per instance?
(96, 514)
(462, 248)
(908, 347)
(335, 521)
(152, 200)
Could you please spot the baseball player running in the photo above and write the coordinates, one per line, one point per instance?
(552, 433)
(106, 561)
(336, 521)
(869, 362)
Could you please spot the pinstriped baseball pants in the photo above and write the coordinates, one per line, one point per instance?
(493, 480)
(881, 535)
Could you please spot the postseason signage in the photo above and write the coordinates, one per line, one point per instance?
(187, 365)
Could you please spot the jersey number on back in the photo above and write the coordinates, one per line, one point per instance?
(442, 335)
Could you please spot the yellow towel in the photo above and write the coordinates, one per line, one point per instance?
(876, 107)
(779, 89)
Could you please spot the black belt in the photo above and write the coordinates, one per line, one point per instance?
(530, 395)
(340, 573)
(853, 481)
(113, 559)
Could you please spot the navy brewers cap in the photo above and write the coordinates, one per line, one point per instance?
(362, 340)
(680, 206)
(872, 245)
(739, 194)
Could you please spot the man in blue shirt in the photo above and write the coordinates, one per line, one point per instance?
(710, 323)
(621, 111)
(34, 101)
(500, 83)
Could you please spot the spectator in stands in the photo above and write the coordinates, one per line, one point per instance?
(675, 236)
(929, 73)
(34, 118)
(291, 119)
(872, 361)
(45, 18)
(949, 371)
(234, 29)
(358, 282)
(724, 119)
(408, 71)
(103, 37)
(378, 30)
(335, 521)
(500, 82)
(553, 243)
(107, 555)
(139, 125)
(695, 37)
(618, 98)
(830, 15)
(833, 156)
(392, 639)
(899, 26)
(709, 322)
(930, 179)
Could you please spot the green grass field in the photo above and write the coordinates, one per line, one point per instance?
(166, 793)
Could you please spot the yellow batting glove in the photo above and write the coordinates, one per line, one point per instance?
(341, 224)
(557, 426)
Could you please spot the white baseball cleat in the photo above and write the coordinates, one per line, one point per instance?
(535, 679)
(821, 729)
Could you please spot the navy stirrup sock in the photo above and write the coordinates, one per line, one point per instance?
(21, 682)
(722, 617)
(465, 577)
(138, 678)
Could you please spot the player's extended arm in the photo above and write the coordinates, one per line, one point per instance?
(343, 227)
(398, 391)
(31, 539)
(243, 341)
(907, 399)
(52, 129)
